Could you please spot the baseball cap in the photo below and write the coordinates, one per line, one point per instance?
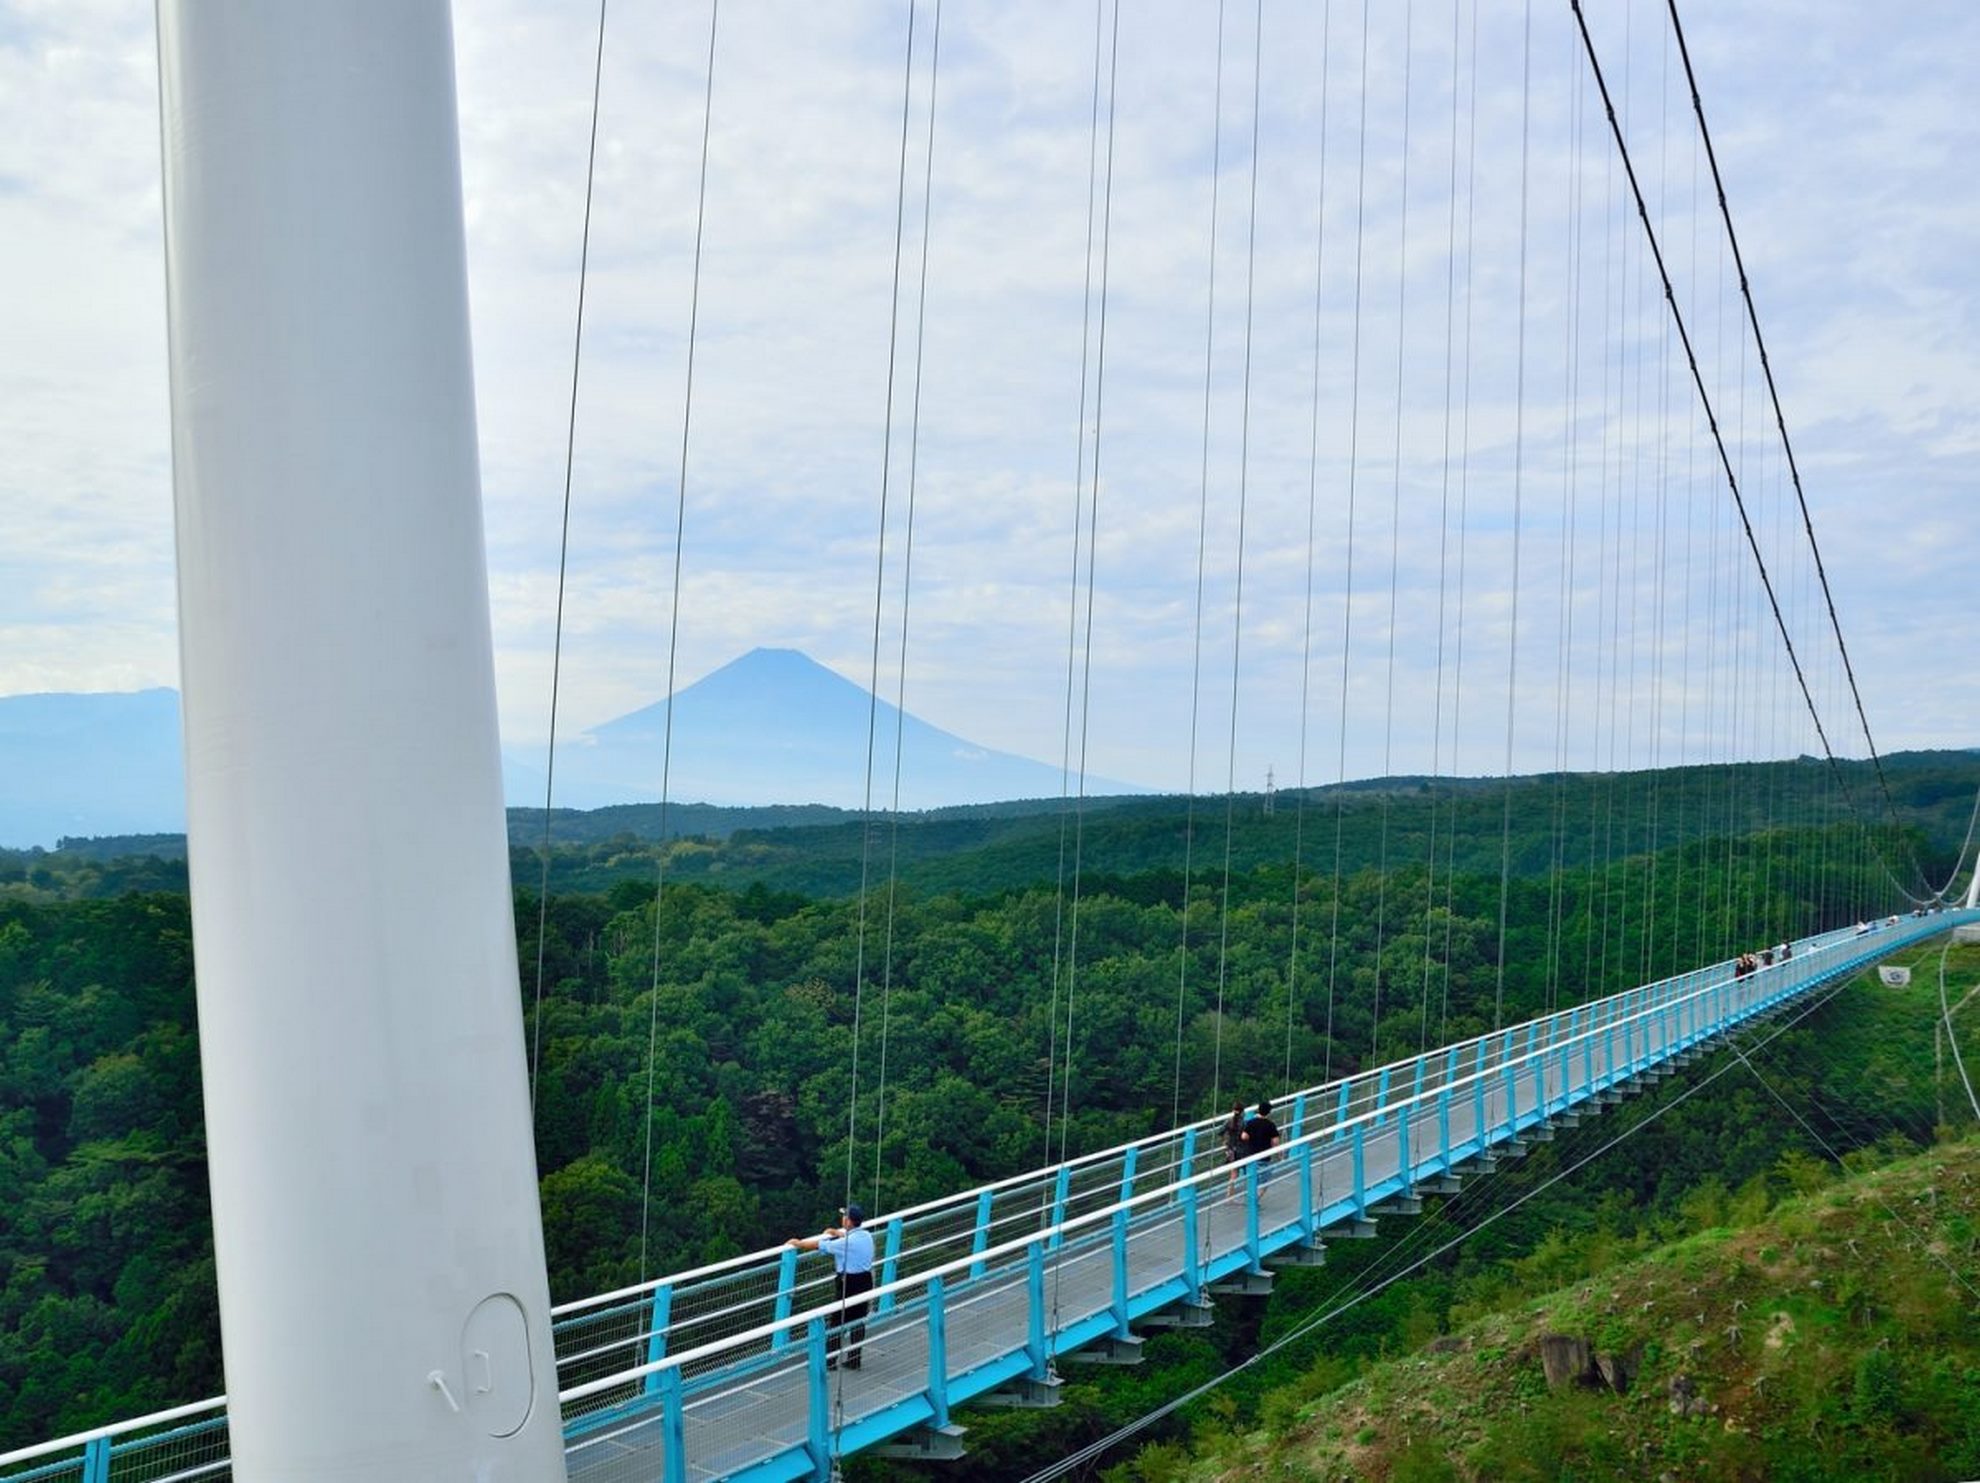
(852, 1213)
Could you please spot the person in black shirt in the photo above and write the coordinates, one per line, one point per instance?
(1261, 1134)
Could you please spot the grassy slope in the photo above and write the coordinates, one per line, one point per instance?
(1833, 1338)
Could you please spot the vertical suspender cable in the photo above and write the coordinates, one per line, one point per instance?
(1395, 546)
(1072, 597)
(907, 589)
(1086, 655)
(1464, 514)
(1564, 646)
(1202, 533)
(674, 631)
(563, 561)
(1312, 507)
(1519, 470)
(1354, 469)
(1443, 544)
(879, 590)
(1237, 602)
(1659, 606)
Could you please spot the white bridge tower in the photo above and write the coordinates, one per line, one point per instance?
(383, 1304)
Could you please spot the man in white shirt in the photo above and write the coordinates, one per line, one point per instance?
(850, 1245)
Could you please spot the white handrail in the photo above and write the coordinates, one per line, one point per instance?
(920, 1280)
(942, 1202)
(114, 1429)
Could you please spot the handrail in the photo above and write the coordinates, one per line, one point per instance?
(1333, 1133)
(113, 1430)
(747, 1260)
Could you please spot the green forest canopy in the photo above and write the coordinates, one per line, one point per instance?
(108, 1305)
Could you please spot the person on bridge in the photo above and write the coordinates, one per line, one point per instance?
(850, 1245)
(1261, 1134)
(1234, 1143)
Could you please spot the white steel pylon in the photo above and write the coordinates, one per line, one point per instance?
(384, 1309)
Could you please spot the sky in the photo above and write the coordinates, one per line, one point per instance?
(1421, 339)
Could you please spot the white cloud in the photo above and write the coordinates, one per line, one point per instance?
(1845, 137)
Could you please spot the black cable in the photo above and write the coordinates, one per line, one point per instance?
(1519, 466)
(1780, 419)
(563, 562)
(1718, 437)
(1072, 600)
(907, 588)
(879, 588)
(674, 632)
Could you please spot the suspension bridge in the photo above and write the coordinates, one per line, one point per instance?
(725, 1371)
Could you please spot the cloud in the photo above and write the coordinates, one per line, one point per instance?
(1844, 137)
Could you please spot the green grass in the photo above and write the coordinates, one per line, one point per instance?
(1833, 1337)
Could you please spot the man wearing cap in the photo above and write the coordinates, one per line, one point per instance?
(850, 1246)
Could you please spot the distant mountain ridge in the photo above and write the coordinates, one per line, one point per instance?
(90, 764)
(774, 726)
(770, 728)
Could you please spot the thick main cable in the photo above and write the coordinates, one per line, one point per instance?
(1718, 437)
(1780, 418)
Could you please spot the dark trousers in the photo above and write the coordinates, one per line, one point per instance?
(853, 1303)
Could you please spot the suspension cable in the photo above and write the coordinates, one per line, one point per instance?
(1072, 598)
(907, 588)
(1347, 598)
(1519, 470)
(1086, 655)
(1443, 539)
(1725, 458)
(1237, 603)
(1780, 418)
(563, 562)
(673, 635)
(1464, 513)
(879, 589)
(1312, 508)
(1395, 547)
(1202, 542)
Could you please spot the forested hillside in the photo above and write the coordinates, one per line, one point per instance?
(746, 996)
(1832, 1336)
